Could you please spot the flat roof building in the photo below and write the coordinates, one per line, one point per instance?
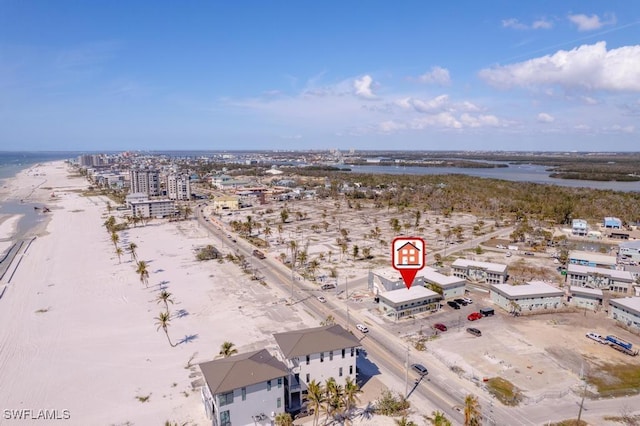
(587, 298)
(579, 227)
(525, 298)
(153, 208)
(448, 286)
(483, 272)
(601, 278)
(387, 279)
(626, 311)
(630, 251)
(404, 302)
(587, 258)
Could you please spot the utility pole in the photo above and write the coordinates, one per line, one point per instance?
(406, 375)
(346, 292)
(584, 393)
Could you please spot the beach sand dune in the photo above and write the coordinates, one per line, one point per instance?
(78, 330)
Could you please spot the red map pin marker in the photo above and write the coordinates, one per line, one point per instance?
(408, 256)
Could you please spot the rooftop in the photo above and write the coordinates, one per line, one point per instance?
(613, 273)
(401, 295)
(436, 277)
(226, 374)
(584, 290)
(602, 259)
(315, 340)
(631, 244)
(492, 267)
(533, 288)
(632, 303)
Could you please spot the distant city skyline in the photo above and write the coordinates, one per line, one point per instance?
(412, 75)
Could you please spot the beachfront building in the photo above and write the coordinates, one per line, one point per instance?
(601, 278)
(178, 187)
(226, 202)
(630, 251)
(530, 297)
(479, 272)
(225, 182)
(586, 298)
(579, 227)
(404, 302)
(144, 180)
(612, 223)
(388, 279)
(596, 260)
(153, 208)
(448, 286)
(626, 311)
(245, 389)
(316, 354)
(135, 197)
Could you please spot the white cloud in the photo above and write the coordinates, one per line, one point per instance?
(363, 87)
(590, 23)
(590, 67)
(437, 75)
(539, 24)
(543, 117)
(479, 120)
(589, 100)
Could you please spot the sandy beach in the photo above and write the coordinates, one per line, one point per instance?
(78, 330)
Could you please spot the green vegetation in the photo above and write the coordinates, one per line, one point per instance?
(572, 422)
(42, 311)
(143, 398)
(504, 391)
(391, 404)
(208, 253)
(614, 379)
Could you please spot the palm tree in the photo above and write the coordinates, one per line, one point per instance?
(119, 253)
(132, 249)
(165, 297)
(187, 211)
(110, 224)
(143, 272)
(403, 421)
(162, 321)
(314, 399)
(283, 419)
(438, 419)
(471, 410)
(115, 238)
(333, 401)
(227, 349)
(351, 391)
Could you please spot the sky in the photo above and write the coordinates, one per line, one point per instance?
(386, 75)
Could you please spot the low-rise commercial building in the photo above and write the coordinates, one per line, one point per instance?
(601, 278)
(596, 260)
(153, 208)
(626, 311)
(480, 272)
(450, 287)
(579, 227)
(612, 223)
(388, 279)
(226, 202)
(630, 251)
(533, 296)
(404, 302)
(587, 298)
(245, 389)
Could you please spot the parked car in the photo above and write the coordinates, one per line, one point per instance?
(321, 299)
(474, 331)
(440, 326)
(466, 299)
(363, 328)
(528, 253)
(473, 316)
(453, 304)
(461, 302)
(421, 369)
(487, 312)
(508, 254)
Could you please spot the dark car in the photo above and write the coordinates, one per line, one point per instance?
(461, 302)
(440, 326)
(453, 304)
(420, 369)
(474, 331)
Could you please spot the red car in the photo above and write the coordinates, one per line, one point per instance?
(474, 316)
(440, 327)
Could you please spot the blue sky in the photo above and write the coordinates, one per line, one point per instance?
(479, 75)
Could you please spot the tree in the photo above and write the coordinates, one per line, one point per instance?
(284, 419)
(119, 253)
(314, 398)
(227, 349)
(132, 249)
(162, 321)
(330, 320)
(284, 215)
(110, 224)
(186, 211)
(438, 419)
(355, 252)
(351, 391)
(165, 297)
(471, 411)
(333, 401)
(143, 272)
(403, 421)
(115, 238)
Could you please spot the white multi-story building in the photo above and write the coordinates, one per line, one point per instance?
(630, 251)
(388, 279)
(402, 302)
(533, 296)
(602, 278)
(587, 258)
(588, 298)
(178, 187)
(579, 227)
(147, 181)
(626, 311)
(316, 354)
(482, 272)
(153, 208)
(245, 389)
(448, 286)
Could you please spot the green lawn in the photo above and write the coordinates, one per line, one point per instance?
(615, 379)
(504, 390)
